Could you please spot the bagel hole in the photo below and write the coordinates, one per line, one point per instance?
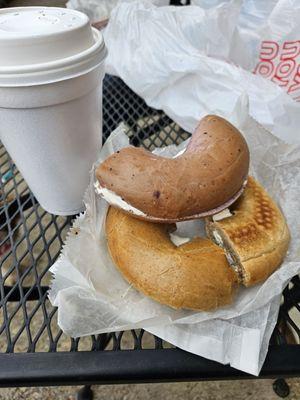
(189, 229)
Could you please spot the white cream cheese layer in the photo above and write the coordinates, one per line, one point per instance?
(180, 153)
(219, 242)
(218, 238)
(222, 215)
(115, 200)
(178, 240)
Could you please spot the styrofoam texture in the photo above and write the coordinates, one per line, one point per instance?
(30, 35)
(40, 45)
(54, 145)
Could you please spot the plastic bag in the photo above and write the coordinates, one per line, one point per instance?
(188, 60)
(267, 34)
(99, 10)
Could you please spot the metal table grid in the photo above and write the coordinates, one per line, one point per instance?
(34, 351)
(3, 3)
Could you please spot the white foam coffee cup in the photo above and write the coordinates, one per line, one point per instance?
(51, 72)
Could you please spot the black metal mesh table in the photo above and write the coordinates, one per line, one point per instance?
(3, 3)
(34, 351)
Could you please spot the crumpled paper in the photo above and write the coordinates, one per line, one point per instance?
(92, 297)
(191, 60)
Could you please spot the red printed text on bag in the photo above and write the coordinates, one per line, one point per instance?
(281, 64)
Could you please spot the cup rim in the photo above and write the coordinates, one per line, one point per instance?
(58, 70)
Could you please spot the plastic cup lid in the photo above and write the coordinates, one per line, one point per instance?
(40, 45)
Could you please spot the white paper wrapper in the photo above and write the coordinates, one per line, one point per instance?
(92, 297)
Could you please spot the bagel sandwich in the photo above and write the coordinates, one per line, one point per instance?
(204, 179)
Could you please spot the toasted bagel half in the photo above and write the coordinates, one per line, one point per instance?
(255, 238)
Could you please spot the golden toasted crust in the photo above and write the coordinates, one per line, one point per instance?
(195, 275)
(257, 233)
(205, 177)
